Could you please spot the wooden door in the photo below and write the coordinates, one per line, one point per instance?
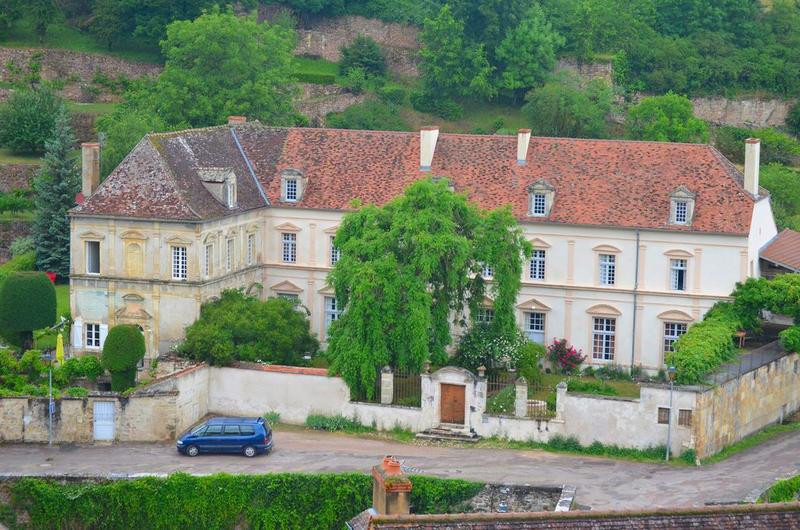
(452, 404)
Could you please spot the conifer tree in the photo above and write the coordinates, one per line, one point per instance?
(55, 187)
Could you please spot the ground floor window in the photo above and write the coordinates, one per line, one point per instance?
(685, 417)
(534, 327)
(484, 315)
(604, 338)
(663, 415)
(92, 335)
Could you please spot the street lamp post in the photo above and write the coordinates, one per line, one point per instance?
(671, 376)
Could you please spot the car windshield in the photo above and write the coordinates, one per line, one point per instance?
(199, 429)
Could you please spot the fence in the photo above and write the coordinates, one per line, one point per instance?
(407, 388)
(747, 362)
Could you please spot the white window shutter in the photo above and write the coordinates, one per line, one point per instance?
(103, 333)
(77, 333)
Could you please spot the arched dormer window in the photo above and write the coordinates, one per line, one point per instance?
(292, 185)
(540, 198)
(681, 208)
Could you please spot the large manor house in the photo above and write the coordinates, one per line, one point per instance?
(633, 241)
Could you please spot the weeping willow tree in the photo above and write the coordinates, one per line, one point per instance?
(408, 270)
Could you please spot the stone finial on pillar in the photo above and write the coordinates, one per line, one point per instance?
(561, 394)
(521, 398)
(481, 371)
(391, 489)
(387, 386)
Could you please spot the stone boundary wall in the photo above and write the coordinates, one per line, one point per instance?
(17, 176)
(9, 231)
(62, 64)
(746, 112)
(317, 101)
(729, 412)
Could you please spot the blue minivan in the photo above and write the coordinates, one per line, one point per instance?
(247, 436)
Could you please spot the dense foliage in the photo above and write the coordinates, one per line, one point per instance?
(370, 115)
(409, 266)
(565, 358)
(282, 501)
(122, 350)
(27, 302)
(55, 186)
(563, 108)
(483, 346)
(238, 327)
(668, 118)
(776, 146)
(787, 490)
(28, 375)
(27, 120)
(123, 129)
(782, 183)
(220, 65)
(363, 53)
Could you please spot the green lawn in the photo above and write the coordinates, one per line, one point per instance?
(7, 157)
(627, 389)
(315, 66)
(61, 36)
(91, 108)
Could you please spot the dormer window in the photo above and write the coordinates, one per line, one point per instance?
(291, 185)
(221, 183)
(230, 193)
(540, 198)
(681, 206)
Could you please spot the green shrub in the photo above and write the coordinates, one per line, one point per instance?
(315, 78)
(482, 346)
(689, 456)
(21, 263)
(27, 303)
(613, 371)
(272, 416)
(530, 355)
(355, 80)
(393, 94)
(440, 106)
(77, 391)
(790, 339)
(320, 422)
(123, 349)
(365, 54)
(368, 116)
(280, 501)
(27, 120)
(591, 387)
(783, 491)
(245, 328)
(90, 367)
(8, 362)
(31, 365)
(503, 401)
(22, 245)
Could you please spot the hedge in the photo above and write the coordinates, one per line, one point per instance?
(705, 346)
(280, 501)
(27, 302)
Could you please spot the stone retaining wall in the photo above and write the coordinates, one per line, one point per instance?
(750, 113)
(319, 100)
(63, 64)
(10, 231)
(17, 176)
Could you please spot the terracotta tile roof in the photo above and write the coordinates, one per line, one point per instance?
(784, 250)
(736, 517)
(597, 182)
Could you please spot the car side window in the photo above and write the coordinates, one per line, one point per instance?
(199, 431)
(247, 430)
(213, 430)
(232, 430)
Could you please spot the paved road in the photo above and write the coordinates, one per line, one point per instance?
(602, 484)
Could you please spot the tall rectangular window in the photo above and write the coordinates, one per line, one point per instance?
(608, 269)
(336, 253)
(291, 190)
(92, 335)
(534, 325)
(603, 338)
(484, 315)
(539, 206)
(537, 265)
(289, 248)
(487, 272)
(179, 263)
(681, 212)
(677, 274)
(251, 249)
(229, 255)
(332, 312)
(208, 260)
(93, 257)
(672, 332)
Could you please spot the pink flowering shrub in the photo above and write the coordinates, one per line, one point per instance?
(565, 357)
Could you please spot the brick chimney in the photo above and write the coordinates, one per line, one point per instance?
(523, 139)
(391, 489)
(427, 146)
(752, 156)
(237, 120)
(90, 168)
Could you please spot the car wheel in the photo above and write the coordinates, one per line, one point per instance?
(249, 451)
(192, 450)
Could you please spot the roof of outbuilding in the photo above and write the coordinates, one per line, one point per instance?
(597, 182)
(784, 250)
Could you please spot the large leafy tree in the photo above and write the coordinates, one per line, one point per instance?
(563, 108)
(10, 12)
(528, 52)
(56, 186)
(27, 120)
(219, 65)
(27, 303)
(668, 118)
(408, 270)
(449, 65)
(244, 328)
(123, 129)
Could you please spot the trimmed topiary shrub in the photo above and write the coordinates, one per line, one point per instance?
(363, 53)
(27, 303)
(123, 349)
